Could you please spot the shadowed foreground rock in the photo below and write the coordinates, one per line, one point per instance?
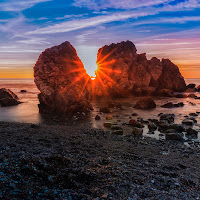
(62, 80)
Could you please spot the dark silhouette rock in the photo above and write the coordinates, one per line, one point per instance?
(187, 90)
(198, 89)
(191, 132)
(23, 91)
(66, 88)
(181, 95)
(62, 80)
(164, 93)
(6, 93)
(191, 85)
(8, 98)
(145, 103)
(171, 105)
(105, 110)
(124, 72)
(174, 136)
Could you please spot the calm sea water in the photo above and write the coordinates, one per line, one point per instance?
(28, 111)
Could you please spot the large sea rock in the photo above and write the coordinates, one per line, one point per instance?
(121, 72)
(66, 88)
(62, 80)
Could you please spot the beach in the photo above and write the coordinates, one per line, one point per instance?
(68, 162)
(46, 157)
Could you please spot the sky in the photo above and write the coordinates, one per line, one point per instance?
(161, 28)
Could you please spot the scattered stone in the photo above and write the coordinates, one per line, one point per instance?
(167, 117)
(192, 132)
(134, 114)
(107, 124)
(109, 117)
(188, 122)
(116, 105)
(97, 117)
(137, 131)
(118, 132)
(23, 91)
(164, 93)
(198, 88)
(105, 110)
(181, 95)
(152, 126)
(145, 103)
(192, 96)
(193, 119)
(174, 136)
(116, 127)
(135, 123)
(193, 114)
(171, 105)
(191, 85)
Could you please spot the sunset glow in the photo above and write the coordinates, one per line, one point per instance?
(165, 29)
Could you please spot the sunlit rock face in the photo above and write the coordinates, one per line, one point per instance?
(121, 72)
(62, 80)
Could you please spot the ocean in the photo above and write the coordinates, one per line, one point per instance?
(27, 112)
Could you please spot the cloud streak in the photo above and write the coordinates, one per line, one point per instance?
(89, 22)
(118, 4)
(20, 5)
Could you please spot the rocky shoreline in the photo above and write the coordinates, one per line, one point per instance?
(40, 161)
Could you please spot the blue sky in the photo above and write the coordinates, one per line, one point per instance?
(161, 28)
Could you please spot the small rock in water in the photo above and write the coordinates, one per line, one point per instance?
(137, 131)
(193, 114)
(145, 103)
(135, 123)
(115, 105)
(192, 132)
(116, 127)
(192, 96)
(191, 85)
(188, 122)
(181, 96)
(97, 117)
(152, 126)
(105, 110)
(118, 132)
(109, 117)
(171, 105)
(168, 117)
(107, 124)
(23, 91)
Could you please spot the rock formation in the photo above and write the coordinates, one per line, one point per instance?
(8, 98)
(66, 87)
(121, 71)
(62, 80)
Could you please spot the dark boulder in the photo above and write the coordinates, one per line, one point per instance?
(145, 103)
(123, 72)
(8, 98)
(63, 82)
(164, 93)
(174, 136)
(191, 85)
